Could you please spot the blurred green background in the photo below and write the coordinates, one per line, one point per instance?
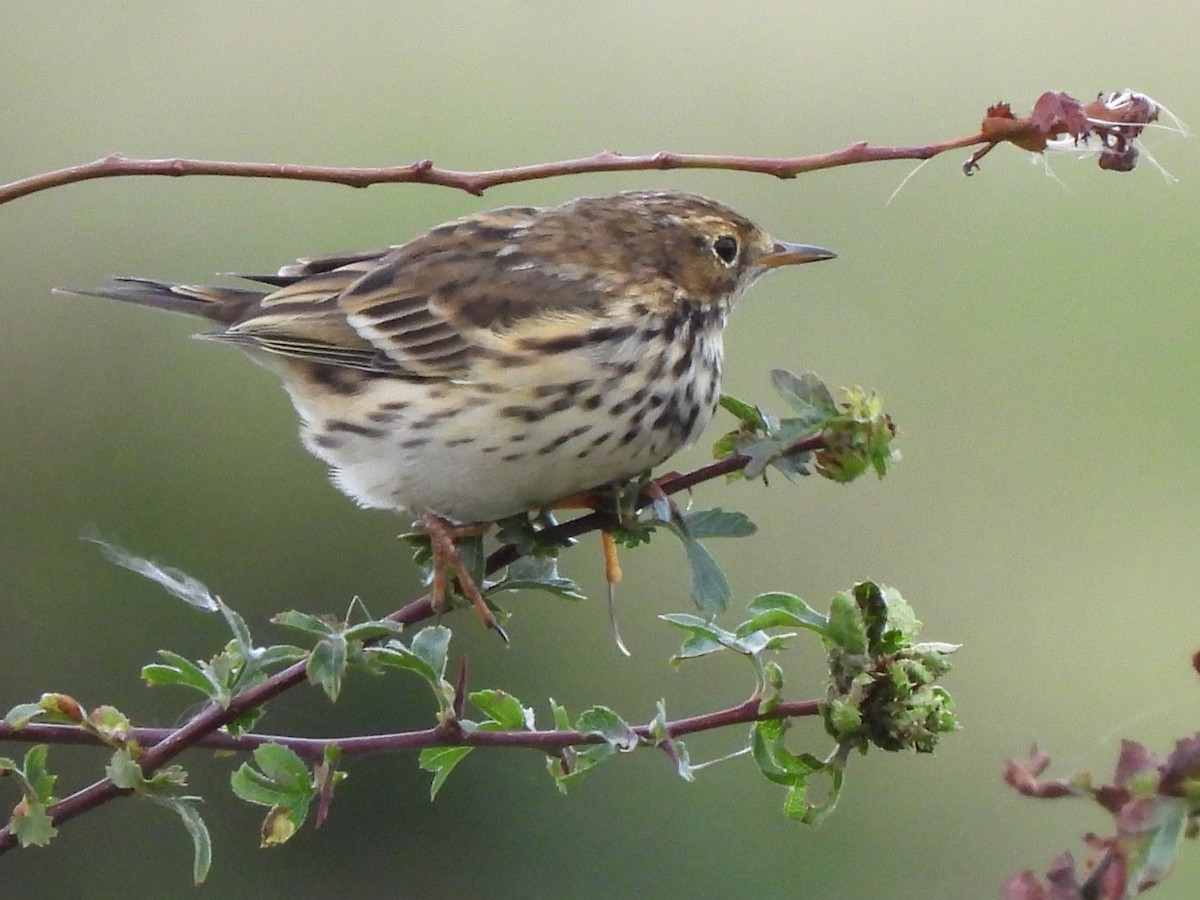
(1034, 337)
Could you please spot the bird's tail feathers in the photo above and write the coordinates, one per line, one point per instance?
(218, 304)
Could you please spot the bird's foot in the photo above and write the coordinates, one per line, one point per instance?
(443, 544)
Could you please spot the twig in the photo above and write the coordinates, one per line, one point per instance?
(598, 521)
(314, 749)
(424, 171)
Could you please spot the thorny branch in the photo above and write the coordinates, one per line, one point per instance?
(202, 728)
(1116, 121)
(425, 172)
(313, 749)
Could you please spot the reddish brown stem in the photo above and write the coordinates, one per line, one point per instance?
(313, 749)
(423, 171)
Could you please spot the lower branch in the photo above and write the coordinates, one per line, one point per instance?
(204, 728)
(314, 749)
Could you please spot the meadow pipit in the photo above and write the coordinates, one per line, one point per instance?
(505, 360)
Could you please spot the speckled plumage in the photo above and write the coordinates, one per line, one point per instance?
(505, 360)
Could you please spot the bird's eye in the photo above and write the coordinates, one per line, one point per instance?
(726, 248)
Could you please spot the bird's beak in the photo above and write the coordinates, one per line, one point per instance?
(785, 254)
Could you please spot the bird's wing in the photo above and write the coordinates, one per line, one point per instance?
(428, 308)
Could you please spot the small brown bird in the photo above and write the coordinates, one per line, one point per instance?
(505, 360)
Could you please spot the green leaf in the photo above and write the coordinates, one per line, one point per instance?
(632, 535)
(432, 645)
(726, 445)
(696, 625)
(814, 814)
(708, 637)
(582, 762)
(245, 721)
(426, 656)
(186, 809)
(182, 671)
(279, 654)
(167, 777)
(441, 762)
(504, 709)
(396, 655)
(695, 647)
(228, 670)
(559, 587)
(284, 767)
(562, 722)
(794, 771)
(327, 664)
(253, 786)
(302, 621)
(658, 725)
(709, 523)
(771, 689)
(124, 772)
(35, 776)
(374, 630)
(575, 762)
(858, 438)
(62, 708)
(603, 721)
(532, 568)
(284, 784)
(774, 760)
(1169, 827)
(237, 625)
(22, 714)
(760, 451)
(846, 629)
(710, 588)
(279, 825)
(109, 724)
(750, 416)
(806, 394)
(779, 609)
(31, 824)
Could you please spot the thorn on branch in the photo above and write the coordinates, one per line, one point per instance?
(460, 689)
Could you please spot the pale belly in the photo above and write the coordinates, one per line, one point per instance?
(473, 454)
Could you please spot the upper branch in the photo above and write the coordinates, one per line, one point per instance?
(425, 172)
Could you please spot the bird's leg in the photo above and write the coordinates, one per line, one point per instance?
(623, 503)
(597, 500)
(443, 536)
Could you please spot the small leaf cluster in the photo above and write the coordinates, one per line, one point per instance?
(883, 685)
(1154, 802)
(31, 822)
(856, 432)
(280, 780)
(882, 690)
